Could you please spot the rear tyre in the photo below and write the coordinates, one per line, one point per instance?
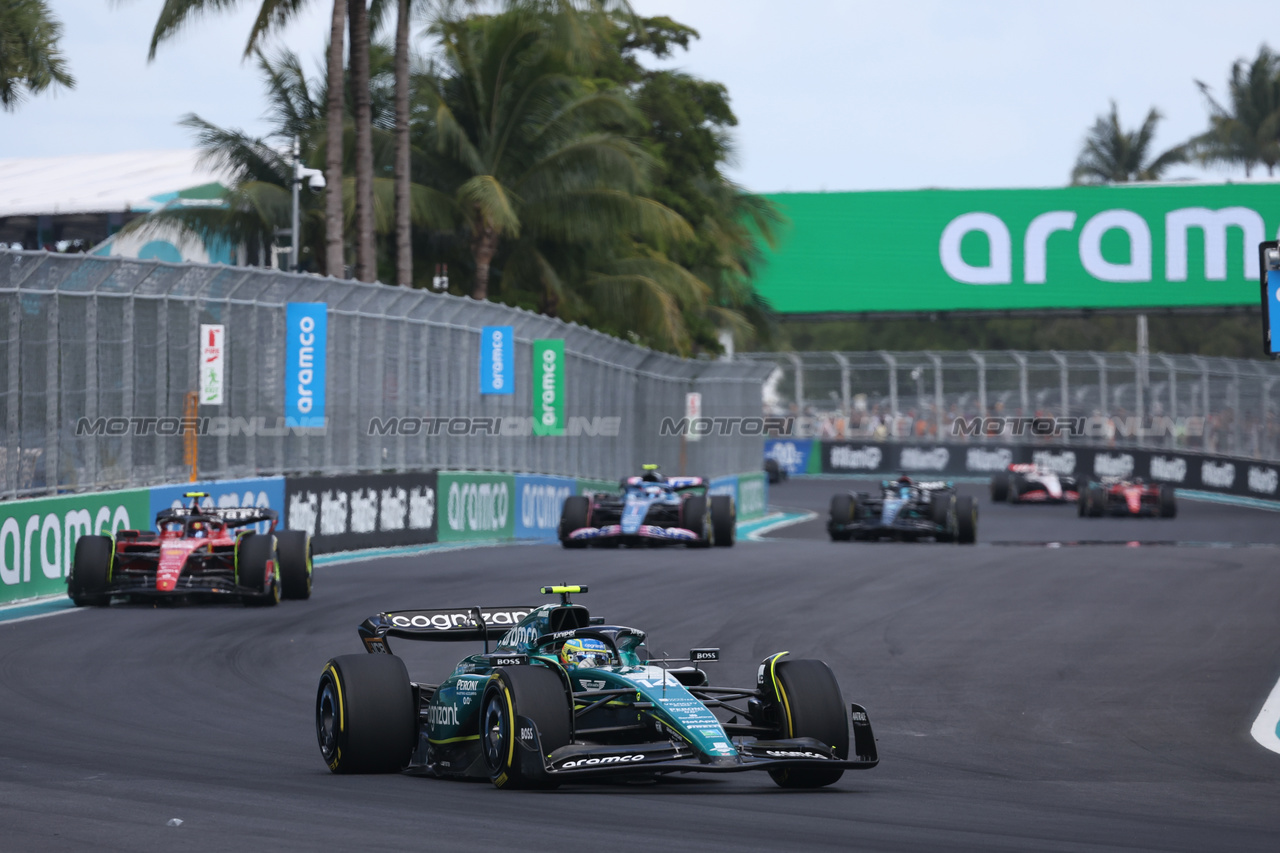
(294, 550)
(534, 692)
(1097, 501)
(724, 520)
(1168, 502)
(695, 518)
(255, 556)
(366, 714)
(573, 516)
(1014, 494)
(843, 509)
(811, 706)
(966, 520)
(1000, 486)
(91, 572)
(772, 470)
(1082, 503)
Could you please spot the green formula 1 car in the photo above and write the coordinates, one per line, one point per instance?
(563, 697)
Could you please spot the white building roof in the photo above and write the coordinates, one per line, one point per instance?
(98, 183)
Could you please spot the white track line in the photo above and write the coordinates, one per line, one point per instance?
(1266, 729)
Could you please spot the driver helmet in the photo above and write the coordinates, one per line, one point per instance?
(652, 475)
(198, 530)
(584, 653)
(904, 480)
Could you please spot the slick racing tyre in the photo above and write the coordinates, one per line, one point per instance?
(253, 553)
(509, 749)
(294, 549)
(1097, 501)
(940, 507)
(844, 508)
(1000, 487)
(366, 715)
(574, 515)
(724, 520)
(1168, 502)
(772, 470)
(966, 520)
(1082, 503)
(91, 572)
(1014, 494)
(810, 705)
(695, 518)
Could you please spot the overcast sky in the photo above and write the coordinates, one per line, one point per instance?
(830, 94)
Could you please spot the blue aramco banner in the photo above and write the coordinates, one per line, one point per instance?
(538, 504)
(307, 325)
(497, 360)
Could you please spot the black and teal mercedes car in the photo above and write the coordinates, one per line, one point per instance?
(564, 697)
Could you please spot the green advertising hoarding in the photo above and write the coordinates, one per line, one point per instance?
(1148, 246)
(548, 387)
(476, 506)
(38, 537)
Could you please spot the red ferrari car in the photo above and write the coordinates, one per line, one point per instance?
(1114, 496)
(195, 552)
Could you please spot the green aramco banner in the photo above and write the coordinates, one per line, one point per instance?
(548, 387)
(1147, 246)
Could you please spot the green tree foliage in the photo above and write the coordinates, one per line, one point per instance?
(1112, 154)
(1245, 131)
(30, 61)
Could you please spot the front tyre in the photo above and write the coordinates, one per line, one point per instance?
(843, 511)
(1168, 502)
(966, 520)
(258, 569)
(366, 714)
(294, 550)
(537, 694)
(91, 572)
(695, 518)
(724, 520)
(810, 705)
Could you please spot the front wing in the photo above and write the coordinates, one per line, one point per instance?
(589, 760)
(648, 533)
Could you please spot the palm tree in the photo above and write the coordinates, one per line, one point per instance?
(258, 202)
(30, 61)
(404, 236)
(1113, 155)
(521, 135)
(1247, 130)
(273, 14)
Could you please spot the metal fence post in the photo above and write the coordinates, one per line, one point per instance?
(937, 393)
(844, 382)
(1024, 398)
(795, 360)
(893, 390)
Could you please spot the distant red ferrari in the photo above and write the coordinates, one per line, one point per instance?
(1115, 496)
(195, 552)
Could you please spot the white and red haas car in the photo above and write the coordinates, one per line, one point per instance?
(1116, 496)
(1030, 483)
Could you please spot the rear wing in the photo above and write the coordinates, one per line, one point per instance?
(457, 624)
(232, 516)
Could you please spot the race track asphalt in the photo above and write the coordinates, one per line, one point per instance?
(1091, 698)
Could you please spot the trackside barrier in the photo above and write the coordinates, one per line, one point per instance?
(38, 536)
(1223, 474)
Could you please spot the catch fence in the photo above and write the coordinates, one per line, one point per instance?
(1215, 405)
(85, 338)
